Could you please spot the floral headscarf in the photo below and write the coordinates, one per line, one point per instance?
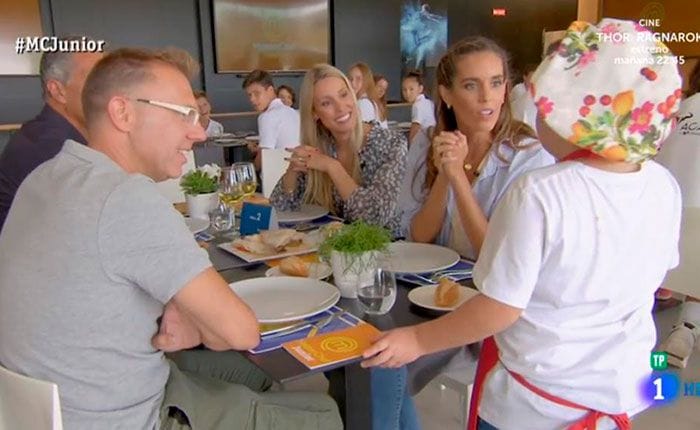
(610, 88)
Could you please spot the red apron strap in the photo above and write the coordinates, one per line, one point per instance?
(588, 422)
(487, 361)
(579, 154)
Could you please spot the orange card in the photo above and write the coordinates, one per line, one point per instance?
(334, 347)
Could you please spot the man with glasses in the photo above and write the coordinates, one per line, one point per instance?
(62, 77)
(99, 275)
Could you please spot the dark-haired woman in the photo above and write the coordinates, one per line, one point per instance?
(453, 184)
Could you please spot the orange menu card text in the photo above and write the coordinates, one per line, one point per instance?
(334, 347)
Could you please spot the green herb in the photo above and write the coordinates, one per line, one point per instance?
(354, 240)
(203, 180)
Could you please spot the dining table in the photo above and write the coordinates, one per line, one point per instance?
(226, 149)
(349, 384)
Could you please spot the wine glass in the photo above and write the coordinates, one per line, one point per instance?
(230, 187)
(247, 176)
(377, 295)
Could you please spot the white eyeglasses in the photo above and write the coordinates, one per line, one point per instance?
(191, 114)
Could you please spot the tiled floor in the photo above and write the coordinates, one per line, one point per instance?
(440, 408)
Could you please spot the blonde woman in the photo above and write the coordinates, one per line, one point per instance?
(362, 82)
(356, 176)
(337, 166)
(453, 184)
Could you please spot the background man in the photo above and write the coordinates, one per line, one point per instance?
(278, 124)
(62, 78)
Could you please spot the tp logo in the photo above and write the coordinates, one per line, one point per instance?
(659, 360)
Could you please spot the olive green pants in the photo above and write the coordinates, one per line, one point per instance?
(222, 390)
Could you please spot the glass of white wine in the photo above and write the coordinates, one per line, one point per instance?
(230, 187)
(247, 176)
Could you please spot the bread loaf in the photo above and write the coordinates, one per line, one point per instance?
(446, 293)
(294, 266)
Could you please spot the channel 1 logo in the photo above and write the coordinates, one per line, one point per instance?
(664, 387)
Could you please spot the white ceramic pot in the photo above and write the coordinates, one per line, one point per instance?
(199, 205)
(349, 271)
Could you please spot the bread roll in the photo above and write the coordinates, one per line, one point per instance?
(447, 293)
(294, 266)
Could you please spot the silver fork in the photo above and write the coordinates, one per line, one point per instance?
(437, 275)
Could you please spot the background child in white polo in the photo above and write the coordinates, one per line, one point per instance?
(422, 109)
(278, 124)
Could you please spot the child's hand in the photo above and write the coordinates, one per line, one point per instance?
(394, 349)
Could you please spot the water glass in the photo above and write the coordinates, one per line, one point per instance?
(248, 178)
(222, 218)
(378, 295)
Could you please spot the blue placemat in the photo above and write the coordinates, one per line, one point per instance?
(424, 278)
(270, 342)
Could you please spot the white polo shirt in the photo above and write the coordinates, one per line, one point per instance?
(214, 128)
(278, 126)
(581, 251)
(423, 112)
(368, 110)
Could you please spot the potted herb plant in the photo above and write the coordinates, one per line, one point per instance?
(200, 187)
(353, 251)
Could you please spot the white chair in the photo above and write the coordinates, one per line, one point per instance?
(459, 376)
(28, 403)
(272, 167)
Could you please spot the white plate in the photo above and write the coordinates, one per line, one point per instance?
(425, 297)
(254, 258)
(316, 271)
(286, 298)
(196, 224)
(412, 257)
(306, 213)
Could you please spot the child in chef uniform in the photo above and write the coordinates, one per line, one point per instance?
(575, 251)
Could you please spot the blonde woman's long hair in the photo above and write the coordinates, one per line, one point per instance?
(369, 88)
(319, 186)
(507, 130)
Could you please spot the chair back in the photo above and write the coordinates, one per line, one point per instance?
(28, 403)
(273, 165)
